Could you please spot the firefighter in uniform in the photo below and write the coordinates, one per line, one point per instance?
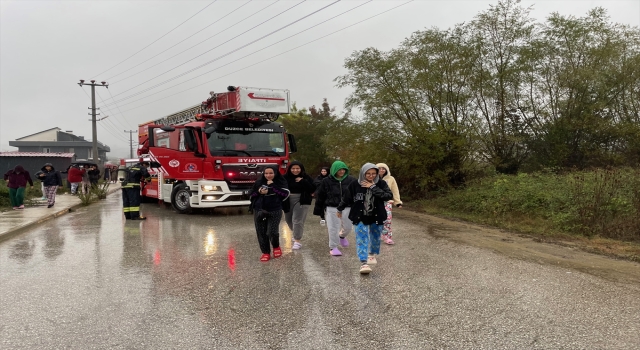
(131, 196)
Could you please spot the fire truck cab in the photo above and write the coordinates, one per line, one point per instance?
(209, 155)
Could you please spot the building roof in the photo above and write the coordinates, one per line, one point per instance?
(37, 154)
(39, 132)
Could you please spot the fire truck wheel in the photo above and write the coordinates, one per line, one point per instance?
(180, 199)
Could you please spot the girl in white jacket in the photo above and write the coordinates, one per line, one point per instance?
(385, 174)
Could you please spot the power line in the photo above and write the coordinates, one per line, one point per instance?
(109, 110)
(217, 58)
(224, 16)
(246, 31)
(126, 59)
(107, 130)
(269, 58)
(255, 52)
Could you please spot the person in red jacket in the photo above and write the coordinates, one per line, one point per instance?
(74, 176)
(17, 180)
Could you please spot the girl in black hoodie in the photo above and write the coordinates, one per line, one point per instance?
(266, 201)
(367, 198)
(324, 172)
(301, 187)
(51, 179)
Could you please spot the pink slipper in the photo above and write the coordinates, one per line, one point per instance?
(335, 252)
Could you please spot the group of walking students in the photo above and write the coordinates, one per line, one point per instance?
(342, 202)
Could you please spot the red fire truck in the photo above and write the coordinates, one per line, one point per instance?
(209, 155)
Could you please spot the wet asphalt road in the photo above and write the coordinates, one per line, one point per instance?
(88, 280)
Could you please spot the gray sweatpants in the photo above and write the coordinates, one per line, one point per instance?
(296, 217)
(334, 224)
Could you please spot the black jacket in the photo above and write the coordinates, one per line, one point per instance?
(304, 187)
(272, 201)
(318, 180)
(135, 175)
(50, 178)
(354, 198)
(330, 192)
(94, 175)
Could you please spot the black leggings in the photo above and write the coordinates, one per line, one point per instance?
(268, 230)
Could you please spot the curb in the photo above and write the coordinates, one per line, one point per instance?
(20, 228)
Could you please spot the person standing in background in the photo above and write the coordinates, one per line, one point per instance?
(17, 180)
(301, 187)
(114, 174)
(324, 172)
(107, 175)
(94, 175)
(385, 174)
(74, 176)
(51, 179)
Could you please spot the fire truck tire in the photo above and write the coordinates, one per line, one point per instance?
(180, 199)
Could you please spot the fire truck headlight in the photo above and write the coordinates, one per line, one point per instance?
(209, 188)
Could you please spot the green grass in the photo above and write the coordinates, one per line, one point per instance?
(603, 203)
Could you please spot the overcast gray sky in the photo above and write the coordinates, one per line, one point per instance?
(163, 56)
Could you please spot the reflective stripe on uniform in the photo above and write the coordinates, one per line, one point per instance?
(131, 185)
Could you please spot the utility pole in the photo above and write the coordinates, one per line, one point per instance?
(93, 115)
(131, 142)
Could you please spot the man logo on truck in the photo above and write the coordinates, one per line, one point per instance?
(251, 174)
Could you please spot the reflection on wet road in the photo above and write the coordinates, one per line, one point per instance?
(90, 280)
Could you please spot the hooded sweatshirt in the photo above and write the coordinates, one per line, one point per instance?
(367, 204)
(18, 177)
(332, 188)
(304, 187)
(278, 192)
(391, 181)
(51, 177)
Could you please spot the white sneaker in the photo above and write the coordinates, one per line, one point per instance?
(323, 223)
(365, 269)
(371, 260)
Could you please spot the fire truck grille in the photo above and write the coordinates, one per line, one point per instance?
(243, 176)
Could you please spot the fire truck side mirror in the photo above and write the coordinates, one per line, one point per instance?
(210, 130)
(168, 128)
(292, 144)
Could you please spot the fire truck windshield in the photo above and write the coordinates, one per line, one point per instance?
(252, 144)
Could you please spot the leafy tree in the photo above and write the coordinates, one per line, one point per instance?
(414, 110)
(588, 73)
(501, 36)
(310, 127)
